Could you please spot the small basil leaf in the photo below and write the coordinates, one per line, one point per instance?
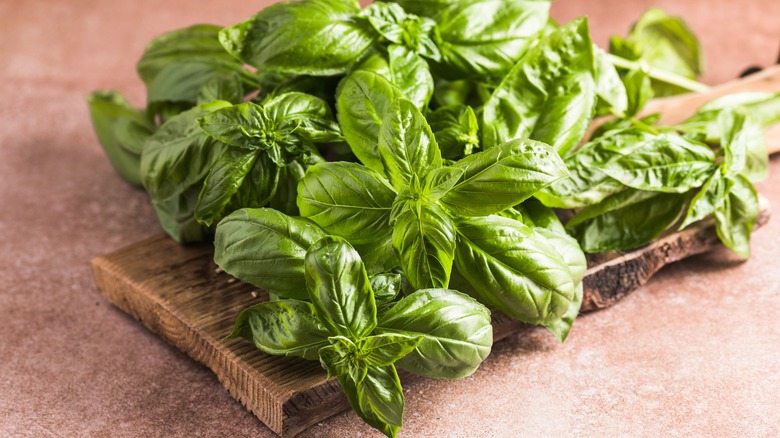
(736, 217)
(306, 115)
(227, 87)
(735, 140)
(379, 255)
(177, 219)
(386, 287)
(362, 100)
(242, 126)
(455, 329)
(440, 181)
(406, 144)
(411, 75)
(339, 288)
(514, 269)
(456, 130)
(378, 398)
(666, 163)
(549, 95)
(502, 177)
(340, 358)
(385, 349)
(267, 249)
(311, 37)
(639, 90)
(708, 199)
(395, 25)
(560, 328)
(626, 220)
(258, 187)
(286, 195)
(424, 239)
(609, 88)
(110, 111)
(283, 327)
(348, 200)
(224, 179)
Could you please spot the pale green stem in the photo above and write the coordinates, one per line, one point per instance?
(659, 74)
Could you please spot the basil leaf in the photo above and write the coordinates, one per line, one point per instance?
(424, 239)
(379, 255)
(176, 216)
(385, 349)
(455, 329)
(482, 37)
(609, 87)
(763, 107)
(362, 99)
(514, 269)
(735, 140)
(340, 359)
(400, 28)
(283, 327)
(307, 116)
(386, 287)
(736, 217)
(224, 179)
(406, 144)
(311, 37)
(266, 249)
(665, 163)
(626, 220)
(181, 81)
(411, 75)
(502, 177)
(708, 199)
(456, 130)
(639, 90)
(258, 187)
(378, 399)
(226, 87)
(549, 95)
(243, 126)
(339, 288)
(560, 328)
(286, 195)
(348, 200)
(440, 181)
(122, 130)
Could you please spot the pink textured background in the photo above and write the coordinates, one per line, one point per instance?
(694, 353)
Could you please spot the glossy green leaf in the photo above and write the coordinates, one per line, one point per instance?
(482, 37)
(639, 90)
(549, 95)
(424, 239)
(177, 219)
(503, 176)
(244, 126)
(339, 288)
(410, 31)
(736, 217)
(267, 249)
(411, 75)
(708, 199)
(227, 87)
(455, 329)
(514, 269)
(386, 287)
(378, 399)
(456, 130)
(283, 327)
(307, 116)
(340, 358)
(626, 220)
(348, 200)
(609, 87)
(362, 101)
(560, 328)
(735, 140)
(386, 349)
(224, 179)
(311, 37)
(406, 144)
(122, 130)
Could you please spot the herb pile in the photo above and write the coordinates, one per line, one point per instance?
(386, 173)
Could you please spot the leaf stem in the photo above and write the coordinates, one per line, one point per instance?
(659, 74)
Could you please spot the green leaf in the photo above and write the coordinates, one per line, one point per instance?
(609, 87)
(549, 95)
(456, 130)
(122, 130)
(379, 255)
(385, 349)
(307, 116)
(639, 90)
(386, 287)
(708, 199)
(424, 239)
(378, 398)
(177, 219)
(440, 181)
(503, 176)
(311, 37)
(267, 249)
(410, 31)
(339, 288)
(560, 328)
(514, 269)
(736, 139)
(626, 220)
(182, 81)
(737, 215)
(341, 358)
(665, 163)
(455, 329)
(362, 100)
(482, 37)
(224, 179)
(411, 75)
(283, 327)
(242, 126)
(226, 87)
(406, 144)
(348, 200)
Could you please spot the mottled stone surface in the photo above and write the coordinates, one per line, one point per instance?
(694, 353)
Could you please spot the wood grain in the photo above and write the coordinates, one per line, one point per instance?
(177, 292)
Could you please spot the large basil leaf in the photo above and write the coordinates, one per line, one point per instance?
(311, 37)
(267, 249)
(666, 163)
(455, 329)
(283, 327)
(378, 398)
(503, 176)
(339, 288)
(362, 100)
(385, 349)
(737, 216)
(424, 239)
(549, 95)
(122, 130)
(407, 147)
(348, 200)
(482, 37)
(514, 269)
(456, 130)
(626, 220)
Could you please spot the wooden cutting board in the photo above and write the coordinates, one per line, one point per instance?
(178, 292)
